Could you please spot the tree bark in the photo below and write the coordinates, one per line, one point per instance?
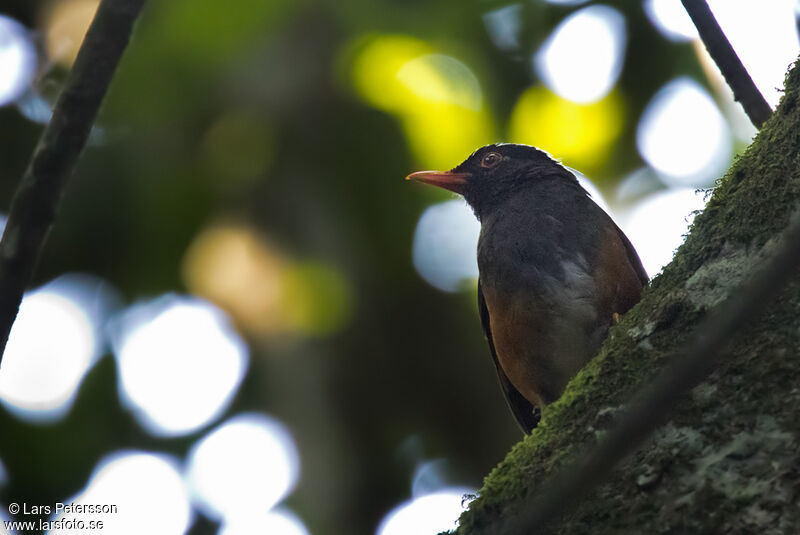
(728, 460)
(35, 204)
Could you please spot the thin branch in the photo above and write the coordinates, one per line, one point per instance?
(744, 90)
(36, 201)
(653, 404)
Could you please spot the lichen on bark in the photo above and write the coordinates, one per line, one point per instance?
(728, 461)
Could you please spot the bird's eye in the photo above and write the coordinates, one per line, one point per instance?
(491, 159)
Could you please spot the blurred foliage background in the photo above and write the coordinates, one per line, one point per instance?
(245, 321)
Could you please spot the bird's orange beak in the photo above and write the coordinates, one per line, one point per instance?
(443, 179)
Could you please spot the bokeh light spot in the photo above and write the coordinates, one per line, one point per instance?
(671, 19)
(656, 226)
(147, 491)
(442, 135)
(426, 515)
(34, 107)
(637, 184)
(234, 267)
(17, 60)
(275, 522)
(440, 78)
(429, 477)
(437, 98)
(180, 363)
(583, 57)
(65, 26)
(444, 246)
(3, 518)
(578, 134)
(53, 343)
(375, 67)
(246, 465)
(265, 291)
(683, 135)
(503, 25)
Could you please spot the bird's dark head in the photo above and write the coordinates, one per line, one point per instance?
(494, 172)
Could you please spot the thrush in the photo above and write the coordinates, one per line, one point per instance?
(555, 271)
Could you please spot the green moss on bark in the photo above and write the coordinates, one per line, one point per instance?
(729, 460)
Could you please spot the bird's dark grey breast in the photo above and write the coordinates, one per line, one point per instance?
(535, 254)
(542, 240)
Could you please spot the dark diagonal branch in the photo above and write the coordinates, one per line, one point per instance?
(35, 203)
(653, 404)
(744, 90)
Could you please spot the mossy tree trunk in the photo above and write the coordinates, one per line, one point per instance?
(728, 460)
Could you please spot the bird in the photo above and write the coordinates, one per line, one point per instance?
(555, 271)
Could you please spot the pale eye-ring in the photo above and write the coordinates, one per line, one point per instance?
(491, 159)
